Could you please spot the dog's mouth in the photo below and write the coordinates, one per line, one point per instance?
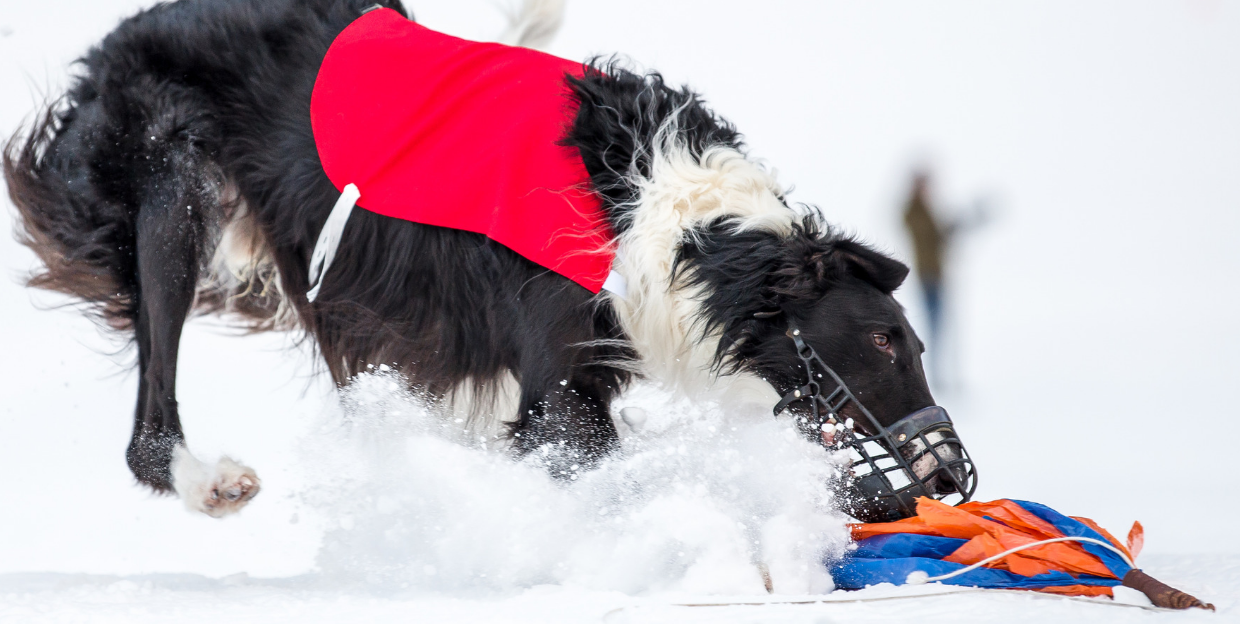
(892, 466)
(918, 456)
(930, 466)
(933, 458)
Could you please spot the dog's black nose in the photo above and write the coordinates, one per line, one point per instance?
(944, 484)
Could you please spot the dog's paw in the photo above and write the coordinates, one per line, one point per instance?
(216, 490)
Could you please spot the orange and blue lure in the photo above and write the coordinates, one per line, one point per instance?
(941, 540)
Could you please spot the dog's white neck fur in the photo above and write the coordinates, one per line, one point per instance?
(664, 320)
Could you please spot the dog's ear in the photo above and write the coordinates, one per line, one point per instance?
(805, 272)
(810, 267)
(884, 272)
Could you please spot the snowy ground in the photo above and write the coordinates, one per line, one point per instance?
(1094, 331)
(192, 599)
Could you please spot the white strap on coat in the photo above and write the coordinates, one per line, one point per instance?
(329, 238)
(616, 284)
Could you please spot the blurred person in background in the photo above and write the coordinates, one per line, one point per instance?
(933, 236)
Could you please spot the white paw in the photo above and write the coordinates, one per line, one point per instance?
(216, 490)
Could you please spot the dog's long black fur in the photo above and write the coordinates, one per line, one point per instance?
(191, 112)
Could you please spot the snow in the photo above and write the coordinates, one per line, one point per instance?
(1093, 369)
(193, 598)
(413, 501)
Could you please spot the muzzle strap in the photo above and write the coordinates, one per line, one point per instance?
(792, 397)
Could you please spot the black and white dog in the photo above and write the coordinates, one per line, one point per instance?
(179, 175)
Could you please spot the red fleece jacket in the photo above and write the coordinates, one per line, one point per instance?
(460, 134)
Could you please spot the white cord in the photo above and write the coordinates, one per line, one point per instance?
(919, 577)
(833, 599)
(329, 238)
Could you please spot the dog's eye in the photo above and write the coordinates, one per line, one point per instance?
(882, 341)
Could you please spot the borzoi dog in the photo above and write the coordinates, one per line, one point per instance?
(518, 235)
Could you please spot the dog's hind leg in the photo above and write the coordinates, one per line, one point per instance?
(178, 201)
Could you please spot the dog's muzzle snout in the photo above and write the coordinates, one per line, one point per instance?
(925, 465)
(919, 455)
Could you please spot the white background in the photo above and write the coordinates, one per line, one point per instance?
(1095, 316)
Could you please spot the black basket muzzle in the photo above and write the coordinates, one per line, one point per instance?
(892, 466)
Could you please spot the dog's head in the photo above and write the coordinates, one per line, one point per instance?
(746, 269)
(836, 290)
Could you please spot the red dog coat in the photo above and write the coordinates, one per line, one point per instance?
(453, 133)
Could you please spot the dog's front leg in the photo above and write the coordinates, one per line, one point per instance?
(569, 419)
(171, 225)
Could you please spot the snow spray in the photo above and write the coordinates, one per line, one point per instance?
(699, 499)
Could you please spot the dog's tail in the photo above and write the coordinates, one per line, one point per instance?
(534, 23)
(86, 243)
